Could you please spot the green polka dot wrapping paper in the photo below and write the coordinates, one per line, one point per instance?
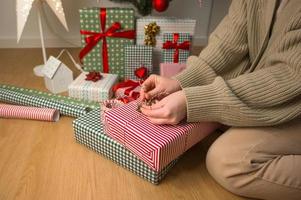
(89, 131)
(173, 41)
(137, 56)
(90, 24)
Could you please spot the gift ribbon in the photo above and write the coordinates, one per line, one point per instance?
(131, 85)
(174, 45)
(93, 76)
(94, 37)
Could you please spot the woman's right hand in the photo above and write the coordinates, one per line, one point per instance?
(158, 87)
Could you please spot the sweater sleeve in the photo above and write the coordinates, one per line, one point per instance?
(268, 96)
(227, 47)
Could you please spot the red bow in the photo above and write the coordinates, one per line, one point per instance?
(174, 45)
(131, 85)
(93, 76)
(94, 37)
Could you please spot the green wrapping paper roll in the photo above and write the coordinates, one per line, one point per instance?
(89, 131)
(28, 97)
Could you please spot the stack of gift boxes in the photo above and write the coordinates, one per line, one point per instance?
(116, 59)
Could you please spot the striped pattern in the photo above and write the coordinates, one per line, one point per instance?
(23, 112)
(249, 74)
(66, 106)
(168, 25)
(168, 54)
(156, 145)
(135, 57)
(89, 132)
(92, 91)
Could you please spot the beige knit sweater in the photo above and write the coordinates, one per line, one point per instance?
(250, 72)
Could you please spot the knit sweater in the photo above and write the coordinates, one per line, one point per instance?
(250, 72)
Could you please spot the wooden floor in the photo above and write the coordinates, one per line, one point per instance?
(41, 160)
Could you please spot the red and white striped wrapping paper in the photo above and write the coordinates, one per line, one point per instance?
(156, 145)
(24, 112)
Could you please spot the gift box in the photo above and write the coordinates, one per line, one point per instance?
(167, 25)
(156, 145)
(89, 132)
(176, 47)
(90, 90)
(104, 33)
(29, 97)
(171, 69)
(137, 56)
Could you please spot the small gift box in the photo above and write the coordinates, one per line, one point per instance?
(171, 69)
(137, 56)
(90, 132)
(85, 87)
(176, 47)
(166, 25)
(104, 33)
(156, 145)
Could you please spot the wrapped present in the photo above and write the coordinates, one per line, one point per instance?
(167, 25)
(176, 47)
(171, 69)
(104, 33)
(137, 56)
(29, 97)
(93, 87)
(156, 145)
(89, 132)
(129, 90)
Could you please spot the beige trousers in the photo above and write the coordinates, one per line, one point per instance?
(263, 163)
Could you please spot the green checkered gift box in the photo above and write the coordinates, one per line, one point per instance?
(137, 56)
(176, 47)
(104, 32)
(89, 131)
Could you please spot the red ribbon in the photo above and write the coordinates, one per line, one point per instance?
(93, 76)
(131, 85)
(94, 37)
(174, 45)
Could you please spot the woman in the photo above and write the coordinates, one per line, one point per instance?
(249, 78)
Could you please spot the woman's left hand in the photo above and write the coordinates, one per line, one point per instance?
(170, 110)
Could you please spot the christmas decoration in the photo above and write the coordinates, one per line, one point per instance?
(23, 9)
(160, 5)
(145, 7)
(150, 32)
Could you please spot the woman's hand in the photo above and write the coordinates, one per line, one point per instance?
(170, 110)
(158, 87)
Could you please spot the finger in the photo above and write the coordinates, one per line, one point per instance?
(153, 93)
(142, 95)
(161, 121)
(149, 83)
(154, 113)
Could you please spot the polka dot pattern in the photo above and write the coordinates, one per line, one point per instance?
(89, 20)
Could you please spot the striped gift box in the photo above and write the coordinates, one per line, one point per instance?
(89, 132)
(167, 25)
(168, 54)
(92, 91)
(156, 145)
(137, 56)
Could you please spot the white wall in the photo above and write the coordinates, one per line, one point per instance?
(56, 36)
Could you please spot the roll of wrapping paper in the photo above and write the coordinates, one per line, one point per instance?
(28, 97)
(24, 112)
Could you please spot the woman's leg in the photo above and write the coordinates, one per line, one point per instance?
(259, 162)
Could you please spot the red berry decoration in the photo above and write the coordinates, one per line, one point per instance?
(160, 5)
